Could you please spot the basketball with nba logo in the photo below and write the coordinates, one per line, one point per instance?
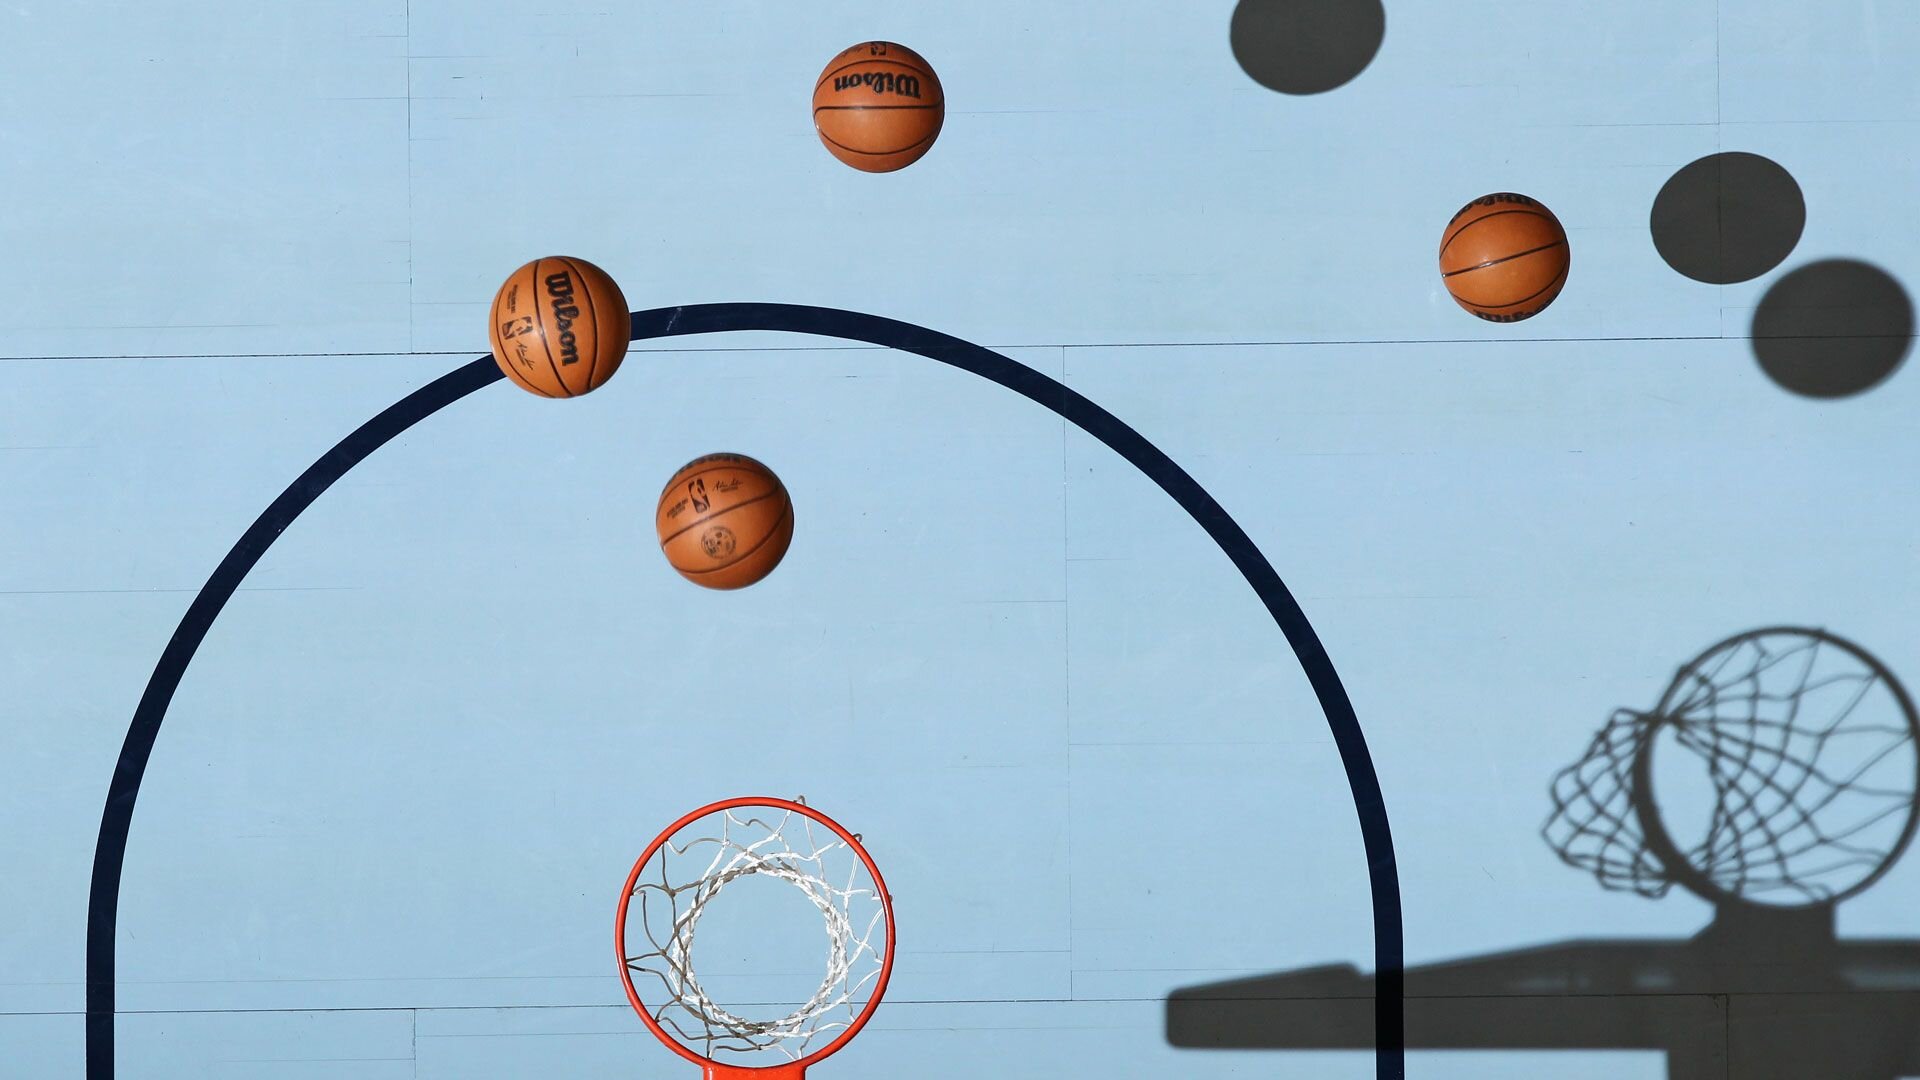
(559, 327)
(724, 521)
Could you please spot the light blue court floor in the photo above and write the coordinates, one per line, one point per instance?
(383, 830)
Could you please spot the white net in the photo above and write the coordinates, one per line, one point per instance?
(1794, 782)
(678, 886)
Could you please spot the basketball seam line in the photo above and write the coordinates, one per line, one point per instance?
(541, 322)
(683, 476)
(785, 514)
(872, 60)
(877, 153)
(1462, 212)
(500, 354)
(864, 108)
(1557, 278)
(677, 533)
(1505, 258)
(1485, 217)
(593, 362)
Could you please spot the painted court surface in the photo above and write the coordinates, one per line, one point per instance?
(383, 830)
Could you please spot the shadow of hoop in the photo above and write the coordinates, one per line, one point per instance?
(1767, 991)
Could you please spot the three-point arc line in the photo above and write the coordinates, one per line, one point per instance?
(109, 855)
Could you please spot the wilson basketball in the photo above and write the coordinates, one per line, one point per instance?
(724, 521)
(559, 327)
(1504, 257)
(878, 106)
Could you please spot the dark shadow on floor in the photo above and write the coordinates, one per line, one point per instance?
(1736, 1003)
(1814, 769)
(1306, 46)
(1728, 217)
(1833, 329)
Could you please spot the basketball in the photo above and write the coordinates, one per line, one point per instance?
(1504, 257)
(878, 106)
(724, 521)
(559, 327)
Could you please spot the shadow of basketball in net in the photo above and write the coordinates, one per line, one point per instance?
(1306, 46)
(1833, 329)
(1775, 778)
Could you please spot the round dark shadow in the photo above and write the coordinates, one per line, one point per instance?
(1728, 218)
(1833, 328)
(1306, 46)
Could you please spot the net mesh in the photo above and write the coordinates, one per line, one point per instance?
(1809, 754)
(684, 877)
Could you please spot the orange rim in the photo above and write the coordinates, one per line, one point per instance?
(626, 895)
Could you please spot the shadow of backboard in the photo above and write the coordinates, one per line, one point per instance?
(1767, 991)
(1740, 1002)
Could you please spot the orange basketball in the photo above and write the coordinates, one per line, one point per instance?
(1504, 257)
(878, 106)
(559, 327)
(724, 521)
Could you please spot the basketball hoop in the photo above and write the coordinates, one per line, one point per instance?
(677, 878)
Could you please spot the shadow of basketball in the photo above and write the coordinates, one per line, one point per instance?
(1833, 328)
(1728, 218)
(1306, 46)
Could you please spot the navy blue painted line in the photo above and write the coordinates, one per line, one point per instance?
(116, 820)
